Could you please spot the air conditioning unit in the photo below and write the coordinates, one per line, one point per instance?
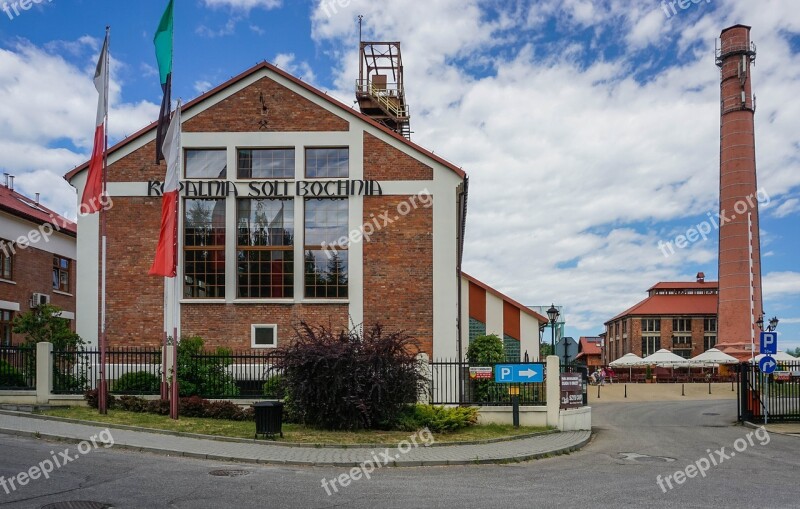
(39, 299)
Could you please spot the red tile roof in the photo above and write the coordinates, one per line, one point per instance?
(23, 207)
(266, 65)
(677, 285)
(663, 305)
(523, 308)
(588, 346)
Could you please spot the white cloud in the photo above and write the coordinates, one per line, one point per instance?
(45, 133)
(243, 5)
(577, 169)
(202, 86)
(780, 285)
(788, 207)
(300, 69)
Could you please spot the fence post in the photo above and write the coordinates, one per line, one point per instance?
(424, 368)
(553, 390)
(44, 372)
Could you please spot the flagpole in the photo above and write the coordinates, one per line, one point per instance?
(103, 392)
(175, 397)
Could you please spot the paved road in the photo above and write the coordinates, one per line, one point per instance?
(635, 443)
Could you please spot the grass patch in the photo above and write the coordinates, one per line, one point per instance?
(291, 432)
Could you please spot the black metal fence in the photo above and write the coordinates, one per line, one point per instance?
(451, 384)
(772, 398)
(128, 370)
(232, 375)
(17, 367)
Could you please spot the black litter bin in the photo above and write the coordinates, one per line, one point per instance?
(269, 418)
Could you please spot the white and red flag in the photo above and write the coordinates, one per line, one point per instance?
(166, 261)
(93, 190)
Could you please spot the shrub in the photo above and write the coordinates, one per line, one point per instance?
(194, 406)
(10, 376)
(486, 350)
(273, 388)
(350, 380)
(138, 382)
(132, 404)
(158, 406)
(92, 398)
(437, 419)
(201, 374)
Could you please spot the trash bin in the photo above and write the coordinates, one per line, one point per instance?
(269, 418)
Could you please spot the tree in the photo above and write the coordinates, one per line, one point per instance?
(486, 350)
(44, 323)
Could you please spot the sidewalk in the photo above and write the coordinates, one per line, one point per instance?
(252, 451)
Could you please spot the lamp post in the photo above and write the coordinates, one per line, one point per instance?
(773, 323)
(552, 314)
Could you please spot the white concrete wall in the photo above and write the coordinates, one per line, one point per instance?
(529, 330)
(528, 415)
(494, 315)
(575, 419)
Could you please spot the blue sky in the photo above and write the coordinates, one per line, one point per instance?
(589, 129)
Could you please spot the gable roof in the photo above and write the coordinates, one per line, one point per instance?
(688, 285)
(266, 66)
(673, 305)
(525, 309)
(23, 207)
(589, 346)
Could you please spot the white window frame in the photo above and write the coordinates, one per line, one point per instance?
(255, 326)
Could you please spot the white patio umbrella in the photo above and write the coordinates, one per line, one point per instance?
(663, 356)
(629, 360)
(780, 356)
(713, 356)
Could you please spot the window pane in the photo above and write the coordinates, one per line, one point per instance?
(326, 274)
(206, 164)
(327, 162)
(325, 221)
(266, 163)
(265, 255)
(265, 222)
(204, 248)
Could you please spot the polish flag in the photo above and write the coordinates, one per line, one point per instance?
(93, 190)
(166, 261)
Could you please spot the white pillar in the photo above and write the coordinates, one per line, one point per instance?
(44, 372)
(553, 382)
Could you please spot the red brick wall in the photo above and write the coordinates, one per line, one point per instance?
(398, 271)
(286, 111)
(138, 166)
(32, 271)
(229, 324)
(384, 162)
(134, 299)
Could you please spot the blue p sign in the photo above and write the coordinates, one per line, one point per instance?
(505, 373)
(769, 342)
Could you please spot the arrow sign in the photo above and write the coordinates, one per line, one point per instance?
(767, 364)
(516, 373)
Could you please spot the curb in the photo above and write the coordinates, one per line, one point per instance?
(748, 424)
(347, 464)
(254, 441)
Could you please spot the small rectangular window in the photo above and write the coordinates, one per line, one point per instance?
(6, 262)
(263, 336)
(6, 326)
(327, 162)
(61, 274)
(206, 164)
(268, 163)
(204, 248)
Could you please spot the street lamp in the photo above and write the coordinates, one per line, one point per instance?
(773, 323)
(552, 314)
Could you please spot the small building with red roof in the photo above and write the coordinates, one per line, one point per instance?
(678, 316)
(37, 260)
(590, 352)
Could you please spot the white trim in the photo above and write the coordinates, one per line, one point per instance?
(9, 306)
(69, 315)
(7, 281)
(202, 301)
(59, 292)
(254, 326)
(283, 301)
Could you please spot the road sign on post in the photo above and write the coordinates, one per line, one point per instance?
(519, 373)
(769, 342)
(767, 364)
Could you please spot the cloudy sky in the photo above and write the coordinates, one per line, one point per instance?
(589, 128)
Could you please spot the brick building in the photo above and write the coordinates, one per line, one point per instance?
(37, 260)
(678, 316)
(294, 207)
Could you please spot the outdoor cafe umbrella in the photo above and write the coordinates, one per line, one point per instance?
(713, 357)
(664, 357)
(628, 360)
(780, 356)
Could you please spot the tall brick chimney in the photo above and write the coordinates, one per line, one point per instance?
(739, 247)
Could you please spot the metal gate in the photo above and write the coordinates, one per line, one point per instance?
(769, 398)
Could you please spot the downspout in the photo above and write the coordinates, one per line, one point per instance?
(462, 228)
